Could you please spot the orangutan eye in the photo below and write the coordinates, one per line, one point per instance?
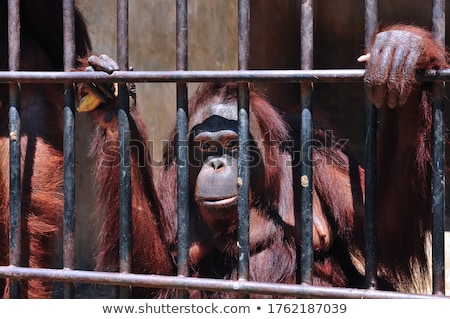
(205, 146)
(231, 144)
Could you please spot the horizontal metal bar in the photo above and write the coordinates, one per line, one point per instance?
(326, 75)
(175, 282)
(287, 76)
(184, 76)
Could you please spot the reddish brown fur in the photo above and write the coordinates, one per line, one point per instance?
(404, 179)
(150, 253)
(404, 198)
(404, 172)
(41, 140)
(272, 250)
(403, 147)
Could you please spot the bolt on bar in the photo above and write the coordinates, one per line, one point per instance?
(243, 182)
(370, 221)
(69, 141)
(124, 147)
(306, 137)
(14, 144)
(182, 146)
(438, 162)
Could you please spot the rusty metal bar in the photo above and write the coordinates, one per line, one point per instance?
(305, 262)
(69, 148)
(438, 162)
(243, 236)
(370, 221)
(15, 207)
(175, 282)
(125, 222)
(280, 76)
(275, 76)
(69, 34)
(243, 239)
(183, 241)
(243, 34)
(122, 34)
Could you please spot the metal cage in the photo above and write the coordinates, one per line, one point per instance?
(305, 77)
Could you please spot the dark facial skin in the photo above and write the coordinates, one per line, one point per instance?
(214, 171)
(216, 184)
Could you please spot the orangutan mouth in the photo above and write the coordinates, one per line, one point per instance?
(220, 202)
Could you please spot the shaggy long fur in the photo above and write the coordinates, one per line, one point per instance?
(338, 195)
(41, 139)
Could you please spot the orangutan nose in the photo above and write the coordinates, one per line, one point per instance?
(216, 163)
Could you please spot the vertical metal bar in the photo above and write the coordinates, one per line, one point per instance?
(371, 18)
(182, 146)
(306, 137)
(69, 141)
(244, 34)
(243, 240)
(14, 144)
(438, 162)
(124, 147)
(122, 34)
